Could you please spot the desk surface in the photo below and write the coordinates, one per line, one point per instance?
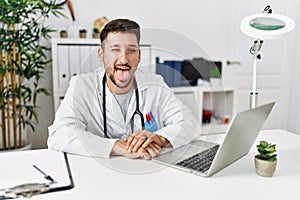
(120, 178)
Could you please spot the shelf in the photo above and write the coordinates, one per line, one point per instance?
(77, 41)
(186, 89)
(219, 100)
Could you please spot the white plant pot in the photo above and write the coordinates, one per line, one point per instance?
(26, 145)
(264, 168)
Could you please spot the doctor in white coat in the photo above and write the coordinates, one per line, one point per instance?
(120, 110)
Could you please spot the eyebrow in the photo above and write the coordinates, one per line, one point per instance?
(117, 45)
(114, 45)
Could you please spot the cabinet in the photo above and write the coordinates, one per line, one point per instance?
(73, 56)
(215, 99)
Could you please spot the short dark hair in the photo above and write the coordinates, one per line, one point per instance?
(121, 25)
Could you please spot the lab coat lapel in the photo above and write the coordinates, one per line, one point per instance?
(113, 106)
(131, 108)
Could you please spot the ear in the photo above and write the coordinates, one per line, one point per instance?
(140, 55)
(100, 54)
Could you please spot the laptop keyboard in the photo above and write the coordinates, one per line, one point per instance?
(201, 161)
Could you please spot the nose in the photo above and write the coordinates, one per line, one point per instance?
(123, 58)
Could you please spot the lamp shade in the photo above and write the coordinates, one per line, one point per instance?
(266, 26)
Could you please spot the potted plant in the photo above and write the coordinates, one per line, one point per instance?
(63, 34)
(266, 160)
(96, 33)
(82, 33)
(99, 24)
(22, 63)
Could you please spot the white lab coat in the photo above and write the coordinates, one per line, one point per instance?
(78, 124)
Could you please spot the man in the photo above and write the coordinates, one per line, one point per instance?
(120, 110)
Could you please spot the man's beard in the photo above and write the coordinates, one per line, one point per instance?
(118, 85)
(119, 67)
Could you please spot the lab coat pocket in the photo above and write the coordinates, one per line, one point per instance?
(152, 127)
(152, 120)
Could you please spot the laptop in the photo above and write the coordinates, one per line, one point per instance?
(206, 158)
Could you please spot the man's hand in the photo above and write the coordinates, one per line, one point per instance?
(143, 139)
(144, 153)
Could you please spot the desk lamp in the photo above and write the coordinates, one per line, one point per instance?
(263, 26)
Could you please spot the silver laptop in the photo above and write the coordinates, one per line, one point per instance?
(206, 158)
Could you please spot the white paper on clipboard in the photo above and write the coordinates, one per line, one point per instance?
(17, 168)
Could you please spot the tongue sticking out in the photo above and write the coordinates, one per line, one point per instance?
(123, 74)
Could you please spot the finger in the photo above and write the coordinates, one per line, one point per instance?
(144, 153)
(152, 151)
(130, 138)
(147, 156)
(133, 143)
(147, 142)
(152, 139)
(156, 146)
(139, 144)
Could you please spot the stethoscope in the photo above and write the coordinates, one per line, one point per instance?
(136, 112)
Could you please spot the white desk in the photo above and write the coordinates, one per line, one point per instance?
(95, 180)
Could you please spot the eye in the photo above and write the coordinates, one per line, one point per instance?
(115, 50)
(131, 50)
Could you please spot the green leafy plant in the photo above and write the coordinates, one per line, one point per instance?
(267, 151)
(96, 33)
(22, 64)
(96, 30)
(82, 31)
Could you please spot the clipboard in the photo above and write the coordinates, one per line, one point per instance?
(17, 169)
(64, 187)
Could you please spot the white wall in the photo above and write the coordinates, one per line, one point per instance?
(188, 18)
(197, 22)
(294, 97)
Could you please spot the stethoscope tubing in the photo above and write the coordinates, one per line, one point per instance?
(136, 112)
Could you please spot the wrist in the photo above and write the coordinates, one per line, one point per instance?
(165, 142)
(116, 150)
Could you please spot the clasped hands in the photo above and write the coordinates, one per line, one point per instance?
(141, 144)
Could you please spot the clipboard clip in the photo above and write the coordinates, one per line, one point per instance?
(26, 190)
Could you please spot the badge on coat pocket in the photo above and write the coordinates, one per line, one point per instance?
(150, 124)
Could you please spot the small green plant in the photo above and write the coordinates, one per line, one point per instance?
(82, 31)
(267, 151)
(95, 30)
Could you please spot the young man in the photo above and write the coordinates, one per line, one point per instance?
(120, 110)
